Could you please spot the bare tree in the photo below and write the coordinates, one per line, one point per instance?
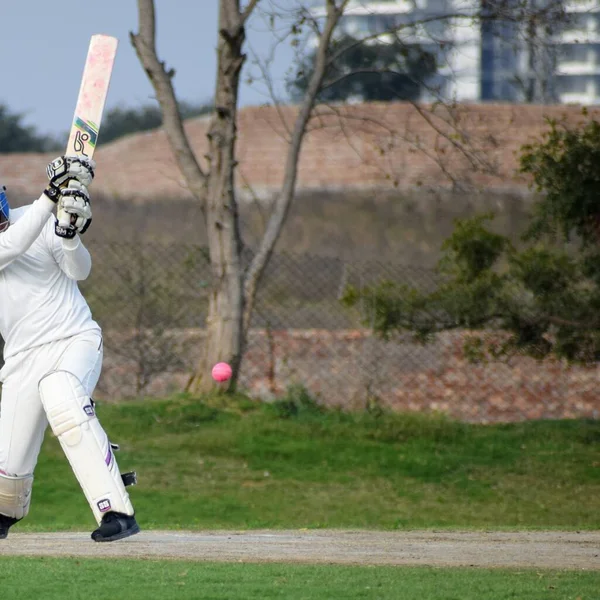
(233, 287)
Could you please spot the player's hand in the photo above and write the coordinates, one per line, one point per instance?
(65, 168)
(73, 207)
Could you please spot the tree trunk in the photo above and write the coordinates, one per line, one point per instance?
(224, 325)
(232, 294)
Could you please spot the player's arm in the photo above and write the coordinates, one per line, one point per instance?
(72, 257)
(69, 252)
(19, 236)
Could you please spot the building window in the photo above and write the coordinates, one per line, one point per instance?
(577, 23)
(582, 23)
(575, 84)
(357, 25)
(570, 53)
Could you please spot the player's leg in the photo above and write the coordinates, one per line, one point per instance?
(66, 395)
(22, 425)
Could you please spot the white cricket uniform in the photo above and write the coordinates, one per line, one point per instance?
(47, 327)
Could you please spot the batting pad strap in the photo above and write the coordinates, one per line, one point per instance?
(15, 495)
(72, 417)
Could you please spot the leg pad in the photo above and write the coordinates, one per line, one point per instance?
(15, 495)
(72, 417)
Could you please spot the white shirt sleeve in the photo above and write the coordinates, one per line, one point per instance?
(72, 257)
(17, 239)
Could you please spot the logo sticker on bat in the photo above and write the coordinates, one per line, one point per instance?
(86, 135)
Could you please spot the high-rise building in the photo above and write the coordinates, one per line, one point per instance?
(479, 60)
(577, 73)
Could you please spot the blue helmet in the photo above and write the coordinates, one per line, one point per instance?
(4, 210)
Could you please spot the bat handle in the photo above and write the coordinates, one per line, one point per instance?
(64, 218)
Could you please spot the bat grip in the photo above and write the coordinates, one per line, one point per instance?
(64, 218)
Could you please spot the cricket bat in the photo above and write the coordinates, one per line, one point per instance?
(90, 102)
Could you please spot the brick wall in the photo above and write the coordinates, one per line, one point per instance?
(370, 145)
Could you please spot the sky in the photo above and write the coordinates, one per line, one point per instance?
(43, 47)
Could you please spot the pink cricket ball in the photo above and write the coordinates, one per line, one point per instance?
(221, 372)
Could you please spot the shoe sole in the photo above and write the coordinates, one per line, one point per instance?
(119, 536)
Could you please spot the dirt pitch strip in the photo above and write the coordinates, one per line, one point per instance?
(552, 550)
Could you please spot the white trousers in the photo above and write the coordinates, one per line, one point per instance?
(22, 417)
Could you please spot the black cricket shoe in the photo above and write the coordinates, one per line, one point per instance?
(115, 526)
(5, 524)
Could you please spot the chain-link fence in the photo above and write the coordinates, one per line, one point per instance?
(151, 301)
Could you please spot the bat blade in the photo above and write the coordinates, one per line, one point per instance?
(97, 72)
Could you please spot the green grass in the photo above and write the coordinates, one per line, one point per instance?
(136, 579)
(233, 463)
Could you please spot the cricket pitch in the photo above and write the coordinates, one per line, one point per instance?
(543, 549)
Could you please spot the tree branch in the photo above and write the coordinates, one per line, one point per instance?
(342, 115)
(263, 68)
(478, 162)
(284, 200)
(144, 43)
(249, 9)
